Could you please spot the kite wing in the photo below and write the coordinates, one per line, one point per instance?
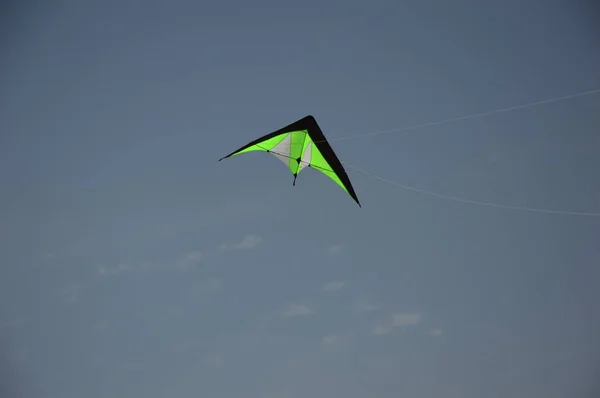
(299, 145)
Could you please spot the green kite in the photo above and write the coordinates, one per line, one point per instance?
(299, 145)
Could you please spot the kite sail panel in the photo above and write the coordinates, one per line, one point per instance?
(300, 145)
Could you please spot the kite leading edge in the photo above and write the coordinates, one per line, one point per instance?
(299, 145)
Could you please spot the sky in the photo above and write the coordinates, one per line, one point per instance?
(134, 264)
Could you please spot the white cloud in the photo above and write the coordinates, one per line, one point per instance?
(405, 319)
(436, 332)
(186, 262)
(397, 320)
(119, 269)
(72, 293)
(365, 305)
(334, 286)
(332, 339)
(380, 330)
(294, 310)
(189, 260)
(335, 249)
(249, 242)
(203, 289)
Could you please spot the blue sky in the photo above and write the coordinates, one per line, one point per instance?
(135, 264)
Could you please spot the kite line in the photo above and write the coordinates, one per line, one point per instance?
(454, 198)
(472, 116)
(469, 201)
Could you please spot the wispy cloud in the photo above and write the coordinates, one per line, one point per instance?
(294, 310)
(205, 288)
(331, 339)
(405, 319)
(189, 260)
(113, 271)
(335, 249)
(186, 262)
(334, 286)
(380, 329)
(249, 242)
(127, 267)
(72, 293)
(397, 320)
(436, 332)
(363, 304)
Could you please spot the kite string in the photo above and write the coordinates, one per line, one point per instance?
(472, 116)
(469, 201)
(454, 198)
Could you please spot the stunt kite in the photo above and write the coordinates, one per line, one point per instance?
(299, 145)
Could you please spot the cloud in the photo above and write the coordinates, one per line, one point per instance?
(119, 269)
(331, 339)
(334, 286)
(189, 260)
(365, 305)
(294, 310)
(405, 319)
(186, 262)
(397, 320)
(202, 289)
(380, 330)
(127, 267)
(72, 293)
(436, 332)
(335, 249)
(249, 242)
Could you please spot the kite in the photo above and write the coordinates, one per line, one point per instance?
(300, 145)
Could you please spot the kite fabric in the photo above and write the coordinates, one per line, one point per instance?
(300, 145)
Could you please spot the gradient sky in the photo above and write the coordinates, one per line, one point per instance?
(133, 264)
